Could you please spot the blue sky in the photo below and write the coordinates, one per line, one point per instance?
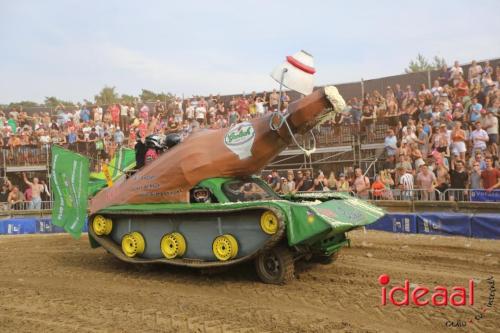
(71, 49)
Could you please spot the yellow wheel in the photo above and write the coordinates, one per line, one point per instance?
(269, 222)
(101, 225)
(225, 247)
(173, 245)
(133, 244)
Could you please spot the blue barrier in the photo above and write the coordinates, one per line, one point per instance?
(403, 223)
(484, 196)
(16, 226)
(452, 224)
(485, 226)
(31, 225)
(444, 224)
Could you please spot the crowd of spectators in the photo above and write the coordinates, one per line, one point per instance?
(438, 137)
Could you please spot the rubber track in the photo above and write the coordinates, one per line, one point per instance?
(116, 250)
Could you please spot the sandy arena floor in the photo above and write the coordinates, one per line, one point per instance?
(52, 283)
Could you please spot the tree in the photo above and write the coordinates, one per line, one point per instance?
(150, 96)
(22, 104)
(53, 102)
(439, 62)
(127, 99)
(421, 64)
(106, 96)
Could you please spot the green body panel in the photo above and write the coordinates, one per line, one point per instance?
(314, 223)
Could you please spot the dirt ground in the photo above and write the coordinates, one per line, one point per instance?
(52, 283)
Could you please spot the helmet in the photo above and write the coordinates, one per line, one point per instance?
(172, 140)
(201, 195)
(154, 141)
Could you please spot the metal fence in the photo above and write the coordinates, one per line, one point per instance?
(459, 195)
(26, 155)
(26, 205)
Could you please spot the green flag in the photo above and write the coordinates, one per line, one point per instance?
(69, 181)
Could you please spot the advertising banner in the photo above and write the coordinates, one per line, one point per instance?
(69, 182)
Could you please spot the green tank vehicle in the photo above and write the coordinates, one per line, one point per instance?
(232, 220)
(198, 204)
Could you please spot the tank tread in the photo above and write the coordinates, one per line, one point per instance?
(115, 249)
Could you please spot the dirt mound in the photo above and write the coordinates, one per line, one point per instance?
(53, 283)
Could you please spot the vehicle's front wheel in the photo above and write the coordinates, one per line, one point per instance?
(275, 266)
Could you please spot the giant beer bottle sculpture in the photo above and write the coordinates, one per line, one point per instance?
(239, 151)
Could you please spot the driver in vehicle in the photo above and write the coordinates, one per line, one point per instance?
(201, 195)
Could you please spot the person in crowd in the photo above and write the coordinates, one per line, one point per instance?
(361, 185)
(306, 183)
(390, 143)
(479, 137)
(459, 179)
(378, 188)
(475, 71)
(442, 175)
(119, 137)
(426, 181)
(490, 177)
(490, 124)
(456, 72)
(36, 191)
(15, 198)
(275, 181)
(4, 195)
(406, 183)
(458, 138)
(342, 183)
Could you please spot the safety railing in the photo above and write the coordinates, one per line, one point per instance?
(403, 194)
(26, 205)
(25, 155)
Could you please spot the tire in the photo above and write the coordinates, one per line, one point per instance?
(275, 266)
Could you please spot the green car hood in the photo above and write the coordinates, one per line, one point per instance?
(309, 222)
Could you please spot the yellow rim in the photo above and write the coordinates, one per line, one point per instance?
(173, 245)
(101, 225)
(133, 244)
(225, 247)
(269, 222)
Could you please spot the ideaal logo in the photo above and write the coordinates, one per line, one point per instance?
(439, 296)
(422, 295)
